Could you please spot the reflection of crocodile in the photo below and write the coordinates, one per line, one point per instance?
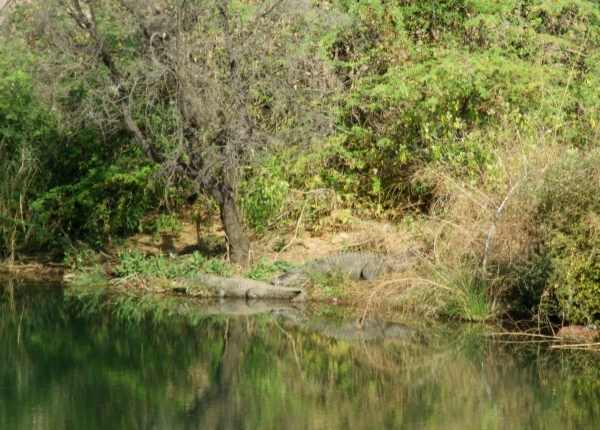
(249, 288)
(245, 307)
(354, 329)
(355, 266)
(294, 314)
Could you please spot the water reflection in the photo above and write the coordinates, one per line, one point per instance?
(68, 363)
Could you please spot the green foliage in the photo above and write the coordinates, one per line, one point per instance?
(79, 258)
(433, 84)
(27, 130)
(461, 293)
(207, 110)
(332, 284)
(63, 183)
(575, 283)
(564, 271)
(263, 193)
(264, 270)
(164, 224)
(466, 298)
(529, 277)
(107, 200)
(134, 263)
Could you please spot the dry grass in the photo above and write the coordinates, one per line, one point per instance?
(32, 271)
(466, 215)
(473, 230)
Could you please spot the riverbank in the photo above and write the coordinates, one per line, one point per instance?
(155, 264)
(144, 276)
(477, 143)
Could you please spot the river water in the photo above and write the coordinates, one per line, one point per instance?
(78, 363)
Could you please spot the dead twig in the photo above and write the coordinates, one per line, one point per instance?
(295, 232)
(495, 220)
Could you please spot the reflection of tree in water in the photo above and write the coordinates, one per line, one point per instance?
(215, 409)
(286, 357)
(84, 363)
(289, 354)
(80, 365)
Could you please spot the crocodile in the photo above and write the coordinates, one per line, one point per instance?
(578, 332)
(250, 289)
(356, 266)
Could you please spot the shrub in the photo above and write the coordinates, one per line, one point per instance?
(436, 84)
(28, 131)
(134, 263)
(561, 270)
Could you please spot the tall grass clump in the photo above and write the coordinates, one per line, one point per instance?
(467, 297)
(461, 293)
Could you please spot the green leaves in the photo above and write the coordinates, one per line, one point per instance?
(27, 127)
(561, 273)
(106, 200)
(263, 192)
(430, 84)
(134, 263)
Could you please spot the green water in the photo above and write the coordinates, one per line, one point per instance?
(67, 363)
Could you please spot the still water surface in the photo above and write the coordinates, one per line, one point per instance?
(69, 363)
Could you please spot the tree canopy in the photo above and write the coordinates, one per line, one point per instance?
(203, 88)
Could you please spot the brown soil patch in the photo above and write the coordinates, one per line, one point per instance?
(305, 246)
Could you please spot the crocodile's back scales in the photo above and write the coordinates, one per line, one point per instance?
(355, 266)
(251, 289)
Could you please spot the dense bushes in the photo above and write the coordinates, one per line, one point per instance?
(60, 184)
(28, 131)
(559, 275)
(436, 83)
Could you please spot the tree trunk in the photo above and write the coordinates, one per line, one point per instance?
(239, 246)
(215, 408)
(223, 192)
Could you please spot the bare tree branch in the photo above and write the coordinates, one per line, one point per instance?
(3, 5)
(204, 89)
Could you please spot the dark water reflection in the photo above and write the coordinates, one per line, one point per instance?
(72, 364)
